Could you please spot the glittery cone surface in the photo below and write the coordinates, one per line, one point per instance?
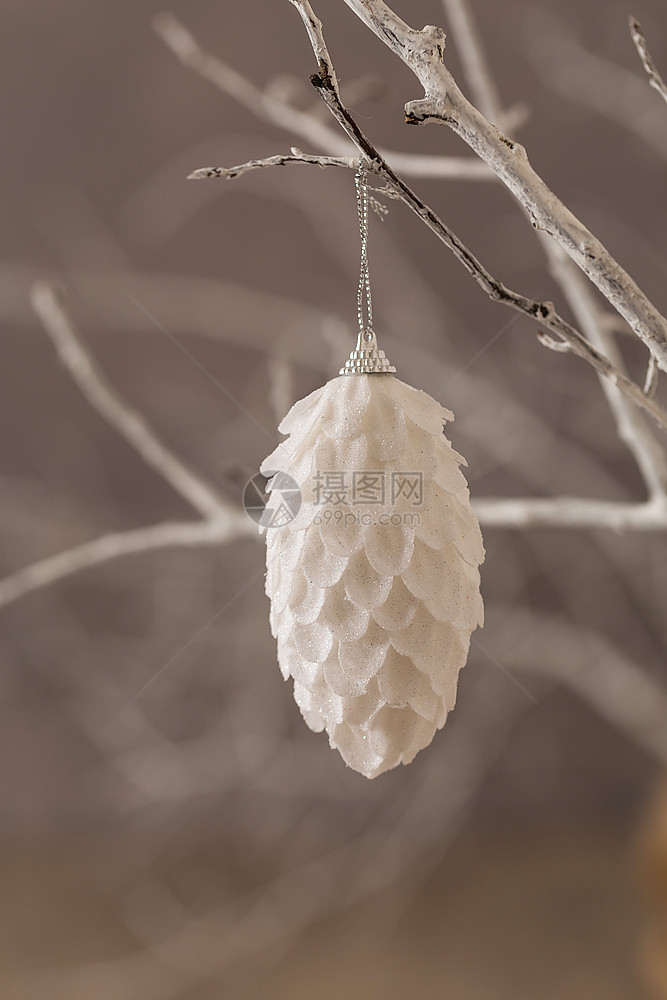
(374, 584)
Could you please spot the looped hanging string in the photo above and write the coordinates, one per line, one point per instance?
(364, 275)
(366, 358)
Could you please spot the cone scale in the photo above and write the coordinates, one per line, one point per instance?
(374, 584)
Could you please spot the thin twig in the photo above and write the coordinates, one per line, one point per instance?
(281, 160)
(655, 79)
(609, 321)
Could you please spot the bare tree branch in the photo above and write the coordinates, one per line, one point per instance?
(281, 160)
(443, 102)
(655, 79)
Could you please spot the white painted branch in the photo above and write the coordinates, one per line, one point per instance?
(655, 79)
(423, 52)
(571, 512)
(278, 112)
(130, 424)
(115, 545)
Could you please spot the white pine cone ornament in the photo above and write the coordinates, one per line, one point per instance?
(374, 585)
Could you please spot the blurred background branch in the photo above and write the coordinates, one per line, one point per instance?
(655, 79)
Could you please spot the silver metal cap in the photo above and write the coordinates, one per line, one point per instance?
(367, 358)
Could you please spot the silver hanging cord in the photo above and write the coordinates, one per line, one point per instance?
(366, 358)
(364, 274)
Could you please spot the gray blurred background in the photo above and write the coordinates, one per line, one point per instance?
(169, 826)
